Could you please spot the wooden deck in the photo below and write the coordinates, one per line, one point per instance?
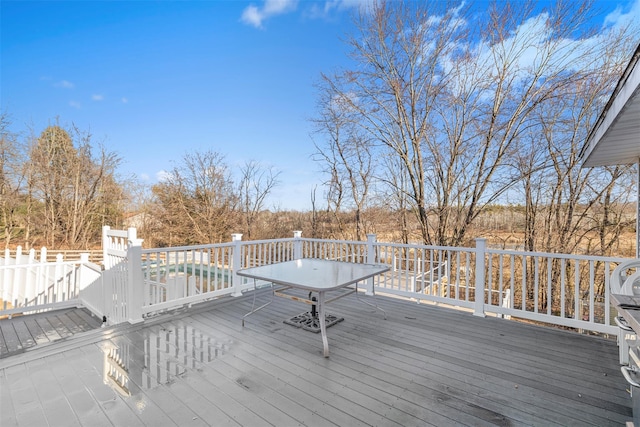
(21, 333)
(424, 365)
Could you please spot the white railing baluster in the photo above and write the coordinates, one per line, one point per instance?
(15, 290)
(534, 283)
(525, 291)
(591, 290)
(607, 278)
(490, 284)
(549, 284)
(500, 280)
(480, 277)
(563, 285)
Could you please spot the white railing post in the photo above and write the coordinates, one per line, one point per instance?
(638, 210)
(135, 279)
(58, 282)
(132, 235)
(106, 295)
(370, 259)
(43, 276)
(82, 284)
(32, 276)
(297, 245)
(6, 283)
(105, 245)
(481, 246)
(18, 292)
(236, 264)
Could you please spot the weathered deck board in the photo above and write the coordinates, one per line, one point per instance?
(439, 414)
(301, 382)
(36, 332)
(23, 332)
(523, 381)
(8, 338)
(423, 365)
(50, 332)
(58, 326)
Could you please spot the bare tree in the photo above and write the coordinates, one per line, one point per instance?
(397, 200)
(97, 197)
(78, 192)
(256, 182)
(346, 155)
(314, 214)
(532, 165)
(196, 203)
(397, 83)
(51, 157)
(11, 180)
(452, 97)
(565, 204)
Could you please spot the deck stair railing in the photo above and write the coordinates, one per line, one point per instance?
(122, 277)
(29, 284)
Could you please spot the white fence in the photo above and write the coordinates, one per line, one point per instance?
(559, 289)
(28, 284)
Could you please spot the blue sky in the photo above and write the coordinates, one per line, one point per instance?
(154, 80)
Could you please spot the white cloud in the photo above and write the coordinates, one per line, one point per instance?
(251, 15)
(525, 49)
(619, 18)
(124, 100)
(320, 10)
(163, 176)
(65, 84)
(254, 15)
(75, 104)
(347, 4)
(97, 97)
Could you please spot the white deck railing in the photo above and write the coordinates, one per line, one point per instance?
(565, 290)
(559, 289)
(30, 285)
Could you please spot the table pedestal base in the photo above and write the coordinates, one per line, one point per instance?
(310, 322)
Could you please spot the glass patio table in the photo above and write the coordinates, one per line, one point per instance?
(313, 275)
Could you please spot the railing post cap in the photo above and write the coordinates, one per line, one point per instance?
(136, 242)
(236, 237)
(132, 233)
(297, 233)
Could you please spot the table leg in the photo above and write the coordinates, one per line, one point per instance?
(323, 326)
(374, 300)
(253, 305)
